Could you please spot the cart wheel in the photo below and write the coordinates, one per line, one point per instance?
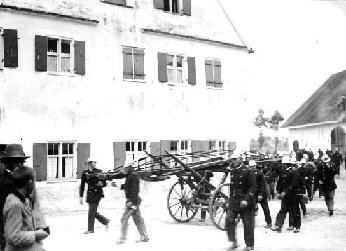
(218, 207)
(180, 202)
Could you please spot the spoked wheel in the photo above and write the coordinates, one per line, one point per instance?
(218, 207)
(180, 202)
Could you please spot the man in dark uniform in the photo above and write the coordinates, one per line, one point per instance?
(13, 157)
(242, 201)
(326, 179)
(260, 194)
(337, 160)
(133, 201)
(294, 186)
(94, 195)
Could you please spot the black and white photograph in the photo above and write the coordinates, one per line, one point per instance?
(176, 125)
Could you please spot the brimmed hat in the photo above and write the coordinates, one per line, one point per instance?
(14, 151)
(252, 163)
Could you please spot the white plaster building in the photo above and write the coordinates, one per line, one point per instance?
(320, 122)
(95, 75)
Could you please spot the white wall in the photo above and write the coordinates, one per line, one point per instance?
(100, 107)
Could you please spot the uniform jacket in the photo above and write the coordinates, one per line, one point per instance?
(132, 188)
(242, 186)
(337, 159)
(260, 183)
(295, 183)
(94, 192)
(326, 175)
(19, 225)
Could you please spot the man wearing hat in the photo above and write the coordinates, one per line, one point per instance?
(132, 207)
(241, 202)
(326, 176)
(12, 158)
(260, 194)
(94, 195)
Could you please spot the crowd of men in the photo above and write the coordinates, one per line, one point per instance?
(294, 179)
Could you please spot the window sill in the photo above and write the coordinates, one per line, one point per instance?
(61, 74)
(125, 6)
(175, 14)
(61, 180)
(214, 88)
(135, 80)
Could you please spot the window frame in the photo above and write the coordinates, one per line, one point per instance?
(61, 55)
(175, 69)
(60, 157)
(133, 79)
(180, 7)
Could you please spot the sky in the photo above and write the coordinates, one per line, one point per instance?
(298, 45)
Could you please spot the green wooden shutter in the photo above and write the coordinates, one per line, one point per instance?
(83, 153)
(127, 63)
(162, 67)
(187, 7)
(209, 72)
(155, 149)
(116, 2)
(217, 74)
(195, 147)
(232, 145)
(41, 47)
(79, 57)
(119, 152)
(138, 55)
(39, 158)
(10, 48)
(158, 4)
(191, 64)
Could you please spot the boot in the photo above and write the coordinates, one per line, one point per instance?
(296, 230)
(331, 212)
(268, 225)
(233, 246)
(276, 229)
(290, 228)
(248, 248)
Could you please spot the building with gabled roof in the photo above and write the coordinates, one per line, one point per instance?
(320, 122)
(113, 78)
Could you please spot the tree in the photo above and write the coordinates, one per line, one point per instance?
(260, 122)
(274, 122)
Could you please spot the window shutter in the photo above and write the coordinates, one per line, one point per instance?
(159, 4)
(162, 67)
(191, 64)
(41, 47)
(83, 153)
(39, 158)
(10, 48)
(217, 72)
(117, 2)
(209, 73)
(127, 63)
(187, 7)
(195, 147)
(119, 152)
(79, 57)
(139, 63)
(155, 151)
(232, 145)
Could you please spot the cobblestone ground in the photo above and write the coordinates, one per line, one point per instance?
(68, 220)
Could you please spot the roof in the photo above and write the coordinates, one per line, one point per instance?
(321, 106)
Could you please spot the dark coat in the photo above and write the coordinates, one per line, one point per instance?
(336, 159)
(295, 183)
(132, 188)
(260, 183)
(94, 192)
(326, 174)
(242, 187)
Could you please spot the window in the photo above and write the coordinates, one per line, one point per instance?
(182, 7)
(212, 145)
(173, 6)
(175, 68)
(133, 63)
(59, 55)
(222, 145)
(213, 73)
(1, 49)
(184, 145)
(135, 150)
(173, 146)
(61, 160)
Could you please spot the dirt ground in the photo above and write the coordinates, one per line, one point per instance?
(68, 221)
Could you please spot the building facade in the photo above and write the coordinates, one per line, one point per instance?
(115, 78)
(320, 122)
